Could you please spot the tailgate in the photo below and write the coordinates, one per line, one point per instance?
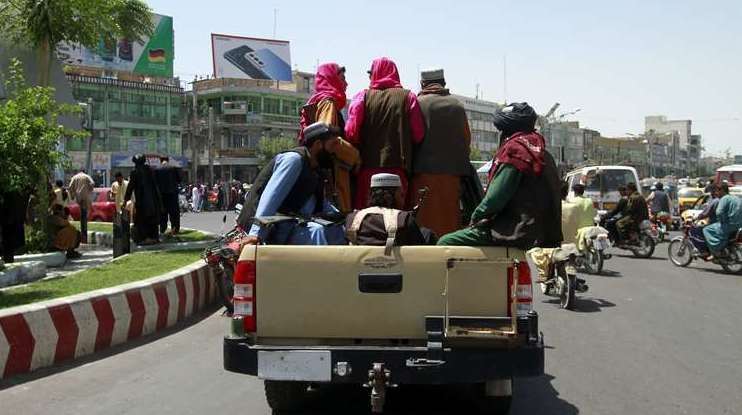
(354, 292)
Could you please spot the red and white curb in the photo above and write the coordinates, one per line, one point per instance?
(50, 332)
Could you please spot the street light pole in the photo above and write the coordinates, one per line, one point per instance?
(89, 122)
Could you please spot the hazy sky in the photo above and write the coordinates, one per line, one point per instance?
(616, 61)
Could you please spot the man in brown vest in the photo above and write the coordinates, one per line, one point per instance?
(384, 121)
(443, 157)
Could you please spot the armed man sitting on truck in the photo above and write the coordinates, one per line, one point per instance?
(522, 207)
(291, 185)
(383, 223)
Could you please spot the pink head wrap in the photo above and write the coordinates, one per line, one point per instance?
(384, 74)
(329, 85)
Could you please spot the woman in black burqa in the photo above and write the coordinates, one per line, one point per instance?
(147, 202)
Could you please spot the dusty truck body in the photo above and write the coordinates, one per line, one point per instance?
(311, 315)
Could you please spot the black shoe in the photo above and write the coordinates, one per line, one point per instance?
(73, 254)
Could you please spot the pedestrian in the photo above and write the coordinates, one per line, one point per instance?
(118, 190)
(196, 198)
(325, 105)
(443, 157)
(147, 202)
(81, 188)
(384, 122)
(522, 207)
(61, 196)
(62, 235)
(13, 205)
(168, 180)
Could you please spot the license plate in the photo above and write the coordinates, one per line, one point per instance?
(314, 366)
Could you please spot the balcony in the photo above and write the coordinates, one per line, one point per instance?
(235, 108)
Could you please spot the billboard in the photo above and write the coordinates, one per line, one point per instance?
(152, 56)
(250, 58)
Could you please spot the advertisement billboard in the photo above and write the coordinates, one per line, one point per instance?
(152, 56)
(250, 58)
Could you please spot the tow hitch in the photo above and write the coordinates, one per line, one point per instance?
(378, 381)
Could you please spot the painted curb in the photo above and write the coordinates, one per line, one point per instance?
(51, 259)
(22, 273)
(50, 332)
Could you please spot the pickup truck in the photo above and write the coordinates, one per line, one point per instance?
(308, 316)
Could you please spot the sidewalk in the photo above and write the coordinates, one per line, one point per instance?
(92, 256)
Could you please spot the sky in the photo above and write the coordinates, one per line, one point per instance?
(614, 61)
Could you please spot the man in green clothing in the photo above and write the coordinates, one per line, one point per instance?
(521, 207)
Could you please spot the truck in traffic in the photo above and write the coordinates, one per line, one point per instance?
(312, 316)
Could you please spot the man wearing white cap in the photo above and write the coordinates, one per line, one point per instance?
(383, 223)
(442, 158)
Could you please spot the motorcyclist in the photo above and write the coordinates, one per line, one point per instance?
(636, 212)
(612, 217)
(729, 215)
(659, 200)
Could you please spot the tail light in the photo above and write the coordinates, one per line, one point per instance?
(523, 289)
(244, 295)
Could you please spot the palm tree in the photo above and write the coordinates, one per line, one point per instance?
(45, 23)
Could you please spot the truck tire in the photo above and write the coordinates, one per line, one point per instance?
(285, 396)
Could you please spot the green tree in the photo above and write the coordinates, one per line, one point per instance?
(28, 141)
(268, 147)
(475, 154)
(45, 23)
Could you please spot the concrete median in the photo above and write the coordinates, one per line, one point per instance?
(50, 332)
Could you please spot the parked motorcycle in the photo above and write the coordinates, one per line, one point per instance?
(641, 243)
(682, 251)
(596, 244)
(561, 279)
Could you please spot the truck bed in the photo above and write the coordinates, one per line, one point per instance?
(334, 295)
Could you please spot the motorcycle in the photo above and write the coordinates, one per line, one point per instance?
(561, 279)
(682, 251)
(661, 224)
(641, 243)
(596, 244)
(222, 256)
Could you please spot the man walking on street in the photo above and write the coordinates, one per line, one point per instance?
(168, 180)
(81, 189)
(442, 159)
(147, 202)
(118, 190)
(384, 121)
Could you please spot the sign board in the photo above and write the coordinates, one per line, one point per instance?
(100, 160)
(152, 56)
(250, 58)
(124, 160)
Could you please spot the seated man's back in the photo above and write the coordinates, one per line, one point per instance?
(383, 224)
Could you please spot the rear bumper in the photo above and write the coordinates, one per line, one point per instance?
(407, 365)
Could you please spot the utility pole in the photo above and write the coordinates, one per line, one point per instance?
(211, 144)
(194, 134)
(89, 122)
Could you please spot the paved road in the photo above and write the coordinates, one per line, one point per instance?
(647, 339)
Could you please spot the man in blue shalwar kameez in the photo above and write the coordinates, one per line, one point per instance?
(291, 184)
(729, 221)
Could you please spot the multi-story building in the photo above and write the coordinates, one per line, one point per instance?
(128, 117)
(136, 103)
(481, 113)
(629, 151)
(245, 111)
(689, 146)
(566, 143)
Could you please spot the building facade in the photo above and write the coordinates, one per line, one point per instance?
(245, 112)
(481, 115)
(566, 142)
(689, 145)
(129, 117)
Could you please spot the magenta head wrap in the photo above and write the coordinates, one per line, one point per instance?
(329, 85)
(384, 74)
